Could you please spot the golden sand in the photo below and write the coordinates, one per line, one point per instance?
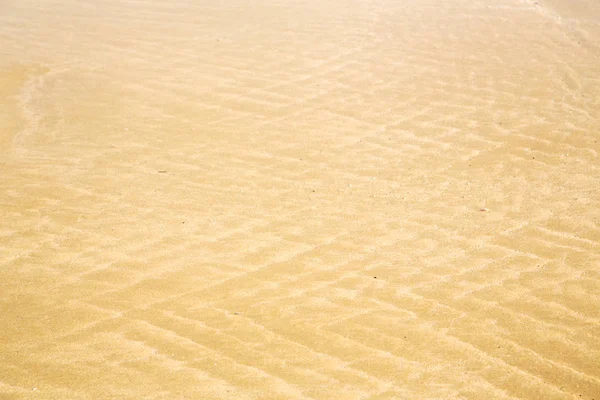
(322, 199)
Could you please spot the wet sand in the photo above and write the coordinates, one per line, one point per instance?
(299, 199)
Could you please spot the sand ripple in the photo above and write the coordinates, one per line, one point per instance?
(299, 199)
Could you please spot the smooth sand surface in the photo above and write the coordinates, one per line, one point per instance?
(320, 199)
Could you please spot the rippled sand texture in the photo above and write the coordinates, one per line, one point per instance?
(316, 199)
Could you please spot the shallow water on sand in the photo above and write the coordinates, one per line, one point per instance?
(300, 199)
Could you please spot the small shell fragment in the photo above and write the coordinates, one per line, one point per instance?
(484, 209)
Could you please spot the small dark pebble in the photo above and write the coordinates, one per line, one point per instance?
(162, 172)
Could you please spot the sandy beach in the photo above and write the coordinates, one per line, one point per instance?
(285, 199)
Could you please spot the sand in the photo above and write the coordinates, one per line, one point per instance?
(321, 199)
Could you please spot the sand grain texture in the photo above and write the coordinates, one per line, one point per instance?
(299, 199)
